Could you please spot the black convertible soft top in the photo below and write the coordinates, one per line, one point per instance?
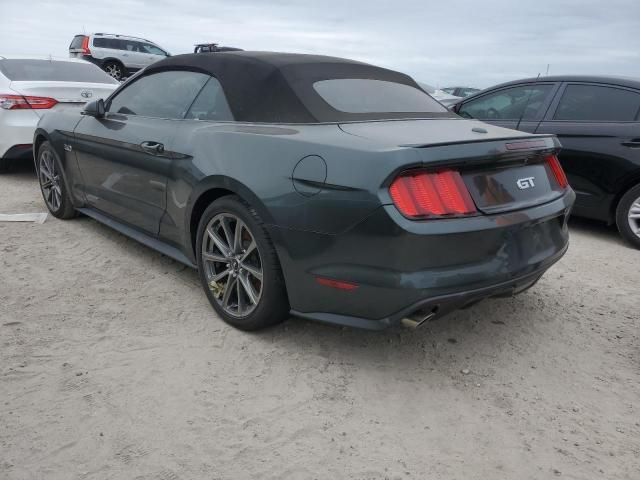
(279, 87)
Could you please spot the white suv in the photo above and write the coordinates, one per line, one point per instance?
(118, 55)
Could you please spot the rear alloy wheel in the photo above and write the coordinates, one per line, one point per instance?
(232, 265)
(54, 190)
(238, 266)
(114, 69)
(628, 216)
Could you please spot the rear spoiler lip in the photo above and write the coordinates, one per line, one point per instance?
(463, 155)
(533, 142)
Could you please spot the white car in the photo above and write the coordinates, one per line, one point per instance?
(30, 86)
(443, 97)
(118, 55)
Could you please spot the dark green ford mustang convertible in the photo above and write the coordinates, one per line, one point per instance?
(314, 186)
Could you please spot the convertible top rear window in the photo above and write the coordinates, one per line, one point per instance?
(361, 95)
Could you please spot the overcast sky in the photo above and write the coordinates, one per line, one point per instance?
(445, 42)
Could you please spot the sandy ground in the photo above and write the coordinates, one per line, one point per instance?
(113, 366)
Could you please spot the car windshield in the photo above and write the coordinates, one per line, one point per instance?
(52, 70)
(361, 96)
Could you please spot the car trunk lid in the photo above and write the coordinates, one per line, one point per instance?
(428, 132)
(503, 169)
(67, 94)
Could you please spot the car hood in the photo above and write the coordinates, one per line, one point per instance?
(418, 133)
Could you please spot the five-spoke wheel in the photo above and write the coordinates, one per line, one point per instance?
(114, 69)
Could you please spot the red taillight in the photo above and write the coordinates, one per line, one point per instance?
(19, 102)
(557, 170)
(340, 285)
(85, 46)
(429, 194)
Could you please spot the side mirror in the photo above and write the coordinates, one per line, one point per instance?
(455, 108)
(94, 108)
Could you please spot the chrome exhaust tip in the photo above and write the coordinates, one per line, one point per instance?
(419, 318)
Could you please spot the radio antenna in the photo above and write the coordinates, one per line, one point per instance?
(526, 105)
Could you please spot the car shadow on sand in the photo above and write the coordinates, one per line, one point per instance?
(485, 329)
(22, 169)
(596, 229)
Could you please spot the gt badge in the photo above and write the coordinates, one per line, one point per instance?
(524, 183)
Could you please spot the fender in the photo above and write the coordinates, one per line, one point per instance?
(70, 172)
(222, 182)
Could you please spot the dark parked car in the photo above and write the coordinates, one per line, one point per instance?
(321, 187)
(597, 120)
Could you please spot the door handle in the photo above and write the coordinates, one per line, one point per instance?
(633, 143)
(154, 148)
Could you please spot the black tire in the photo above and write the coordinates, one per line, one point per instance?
(63, 208)
(273, 304)
(114, 69)
(5, 165)
(622, 216)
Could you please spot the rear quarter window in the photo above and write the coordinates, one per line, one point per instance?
(104, 42)
(53, 71)
(598, 103)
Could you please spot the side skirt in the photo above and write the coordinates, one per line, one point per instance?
(138, 236)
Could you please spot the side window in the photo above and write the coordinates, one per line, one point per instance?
(130, 45)
(100, 42)
(152, 49)
(160, 95)
(211, 104)
(508, 104)
(117, 44)
(598, 103)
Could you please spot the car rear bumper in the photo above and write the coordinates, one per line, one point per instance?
(432, 308)
(17, 127)
(400, 266)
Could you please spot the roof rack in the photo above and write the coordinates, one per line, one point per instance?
(211, 47)
(119, 35)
